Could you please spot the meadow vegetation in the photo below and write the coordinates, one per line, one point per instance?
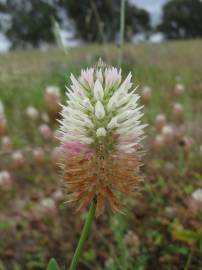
(162, 228)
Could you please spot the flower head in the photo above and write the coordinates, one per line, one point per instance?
(32, 113)
(197, 195)
(18, 159)
(6, 181)
(100, 135)
(52, 101)
(179, 89)
(146, 94)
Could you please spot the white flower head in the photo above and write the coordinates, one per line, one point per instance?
(32, 112)
(53, 90)
(100, 134)
(197, 195)
(99, 105)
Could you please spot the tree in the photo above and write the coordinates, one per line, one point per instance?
(30, 22)
(182, 19)
(96, 20)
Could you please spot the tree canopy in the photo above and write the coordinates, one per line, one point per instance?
(182, 19)
(30, 22)
(100, 19)
(94, 20)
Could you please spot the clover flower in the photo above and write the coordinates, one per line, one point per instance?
(100, 136)
(146, 94)
(18, 159)
(197, 195)
(179, 89)
(6, 181)
(32, 113)
(6, 144)
(52, 100)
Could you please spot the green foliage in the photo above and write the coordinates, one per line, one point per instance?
(119, 227)
(30, 23)
(140, 263)
(2, 266)
(156, 237)
(35, 260)
(53, 265)
(160, 247)
(190, 237)
(177, 249)
(97, 20)
(185, 235)
(17, 267)
(89, 255)
(182, 19)
(4, 226)
(58, 37)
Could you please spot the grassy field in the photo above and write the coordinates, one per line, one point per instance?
(163, 225)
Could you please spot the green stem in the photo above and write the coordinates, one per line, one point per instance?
(189, 258)
(84, 235)
(122, 29)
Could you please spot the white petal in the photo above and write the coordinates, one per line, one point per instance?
(127, 146)
(132, 104)
(99, 75)
(112, 102)
(88, 123)
(123, 99)
(130, 119)
(87, 104)
(130, 129)
(77, 87)
(123, 116)
(101, 132)
(126, 85)
(112, 77)
(113, 123)
(99, 110)
(98, 90)
(121, 96)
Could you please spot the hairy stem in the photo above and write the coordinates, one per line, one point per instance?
(84, 235)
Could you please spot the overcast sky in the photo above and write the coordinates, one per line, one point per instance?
(154, 7)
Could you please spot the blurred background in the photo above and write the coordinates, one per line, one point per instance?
(41, 43)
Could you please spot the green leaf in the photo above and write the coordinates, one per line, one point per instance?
(2, 266)
(156, 237)
(141, 262)
(186, 235)
(188, 188)
(4, 226)
(178, 249)
(110, 264)
(90, 255)
(53, 265)
(35, 264)
(200, 244)
(17, 267)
